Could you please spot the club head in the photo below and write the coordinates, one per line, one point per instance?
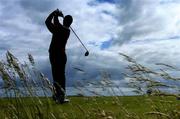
(86, 54)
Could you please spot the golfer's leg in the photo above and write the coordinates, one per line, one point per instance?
(63, 81)
(52, 59)
(63, 76)
(55, 81)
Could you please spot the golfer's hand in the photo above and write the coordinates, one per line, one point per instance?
(54, 13)
(59, 13)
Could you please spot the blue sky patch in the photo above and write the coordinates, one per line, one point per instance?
(175, 37)
(106, 44)
(95, 2)
(109, 1)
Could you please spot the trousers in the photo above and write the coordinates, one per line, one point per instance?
(58, 65)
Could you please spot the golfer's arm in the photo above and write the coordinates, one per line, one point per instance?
(49, 23)
(56, 21)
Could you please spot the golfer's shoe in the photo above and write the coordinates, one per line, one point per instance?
(66, 100)
(60, 100)
(63, 100)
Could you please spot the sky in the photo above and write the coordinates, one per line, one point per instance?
(146, 30)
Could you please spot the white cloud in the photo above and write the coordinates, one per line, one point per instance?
(142, 20)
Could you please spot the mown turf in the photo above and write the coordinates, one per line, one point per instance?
(122, 107)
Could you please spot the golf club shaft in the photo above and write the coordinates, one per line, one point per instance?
(78, 38)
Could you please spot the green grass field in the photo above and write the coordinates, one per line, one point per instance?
(122, 107)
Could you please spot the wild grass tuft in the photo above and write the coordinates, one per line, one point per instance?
(22, 101)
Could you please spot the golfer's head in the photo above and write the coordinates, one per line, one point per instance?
(67, 20)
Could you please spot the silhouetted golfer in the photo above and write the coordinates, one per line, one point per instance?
(57, 55)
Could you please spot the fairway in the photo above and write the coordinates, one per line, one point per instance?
(122, 107)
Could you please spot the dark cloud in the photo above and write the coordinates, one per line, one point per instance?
(37, 5)
(37, 10)
(4, 47)
(6, 43)
(91, 67)
(132, 10)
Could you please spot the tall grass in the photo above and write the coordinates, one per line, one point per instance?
(22, 80)
(26, 103)
(151, 81)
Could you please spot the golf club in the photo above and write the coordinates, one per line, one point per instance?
(87, 52)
